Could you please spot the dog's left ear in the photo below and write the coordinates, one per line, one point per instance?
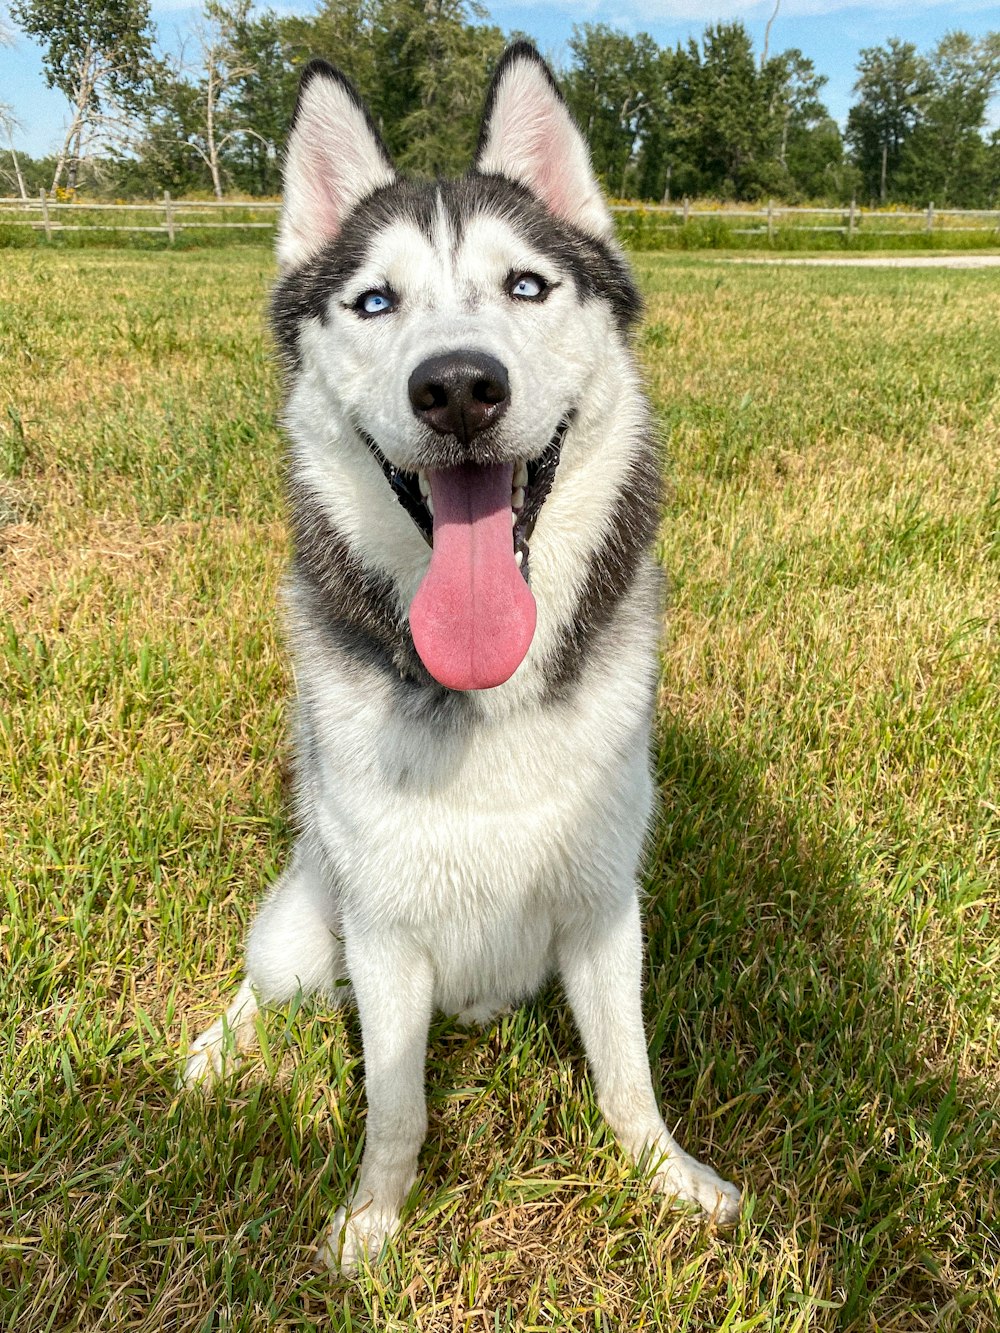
(529, 136)
(334, 158)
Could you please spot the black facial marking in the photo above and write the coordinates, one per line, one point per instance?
(305, 292)
(405, 487)
(613, 566)
(344, 593)
(598, 271)
(541, 474)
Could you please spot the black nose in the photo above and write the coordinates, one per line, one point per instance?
(460, 393)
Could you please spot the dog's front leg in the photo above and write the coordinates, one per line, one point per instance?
(601, 966)
(393, 984)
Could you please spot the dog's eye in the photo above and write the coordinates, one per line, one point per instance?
(377, 302)
(527, 287)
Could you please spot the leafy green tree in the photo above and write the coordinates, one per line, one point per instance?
(991, 170)
(727, 112)
(441, 58)
(893, 81)
(614, 88)
(261, 96)
(945, 157)
(98, 54)
(809, 145)
(161, 155)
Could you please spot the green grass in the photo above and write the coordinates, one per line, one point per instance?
(823, 994)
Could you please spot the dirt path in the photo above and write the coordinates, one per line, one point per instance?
(884, 261)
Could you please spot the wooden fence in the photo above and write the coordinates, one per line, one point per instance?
(47, 214)
(847, 219)
(172, 216)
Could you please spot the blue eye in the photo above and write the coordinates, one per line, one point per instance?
(375, 303)
(527, 286)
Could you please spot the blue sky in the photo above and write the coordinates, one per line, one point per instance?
(830, 32)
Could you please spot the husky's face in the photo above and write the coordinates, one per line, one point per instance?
(456, 328)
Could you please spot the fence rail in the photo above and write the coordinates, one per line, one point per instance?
(46, 214)
(42, 214)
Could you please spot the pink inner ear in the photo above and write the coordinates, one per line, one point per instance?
(537, 128)
(333, 161)
(326, 208)
(532, 139)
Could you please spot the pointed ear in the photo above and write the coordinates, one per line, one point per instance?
(334, 158)
(529, 136)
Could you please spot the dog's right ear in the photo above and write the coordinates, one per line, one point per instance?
(333, 160)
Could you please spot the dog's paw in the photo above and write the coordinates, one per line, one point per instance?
(212, 1055)
(355, 1234)
(200, 1070)
(688, 1181)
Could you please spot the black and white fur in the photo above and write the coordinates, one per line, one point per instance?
(457, 848)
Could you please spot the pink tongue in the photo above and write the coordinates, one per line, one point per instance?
(473, 617)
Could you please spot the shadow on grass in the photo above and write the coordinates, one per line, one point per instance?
(805, 1032)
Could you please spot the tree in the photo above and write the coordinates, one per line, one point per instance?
(98, 54)
(262, 95)
(991, 170)
(419, 64)
(221, 74)
(8, 121)
(892, 83)
(726, 111)
(945, 157)
(706, 117)
(809, 144)
(160, 155)
(614, 89)
(442, 57)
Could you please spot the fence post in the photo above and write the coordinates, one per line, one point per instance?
(770, 219)
(930, 216)
(850, 219)
(687, 205)
(168, 215)
(45, 214)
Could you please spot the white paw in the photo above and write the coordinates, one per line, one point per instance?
(218, 1048)
(687, 1180)
(355, 1235)
(211, 1056)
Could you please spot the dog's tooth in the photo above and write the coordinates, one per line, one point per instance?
(514, 516)
(517, 498)
(519, 558)
(428, 501)
(425, 486)
(520, 475)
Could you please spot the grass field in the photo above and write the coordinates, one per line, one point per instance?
(823, 992)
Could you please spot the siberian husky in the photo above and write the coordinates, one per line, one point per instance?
(474, 616)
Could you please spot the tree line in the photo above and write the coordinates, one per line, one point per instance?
(709, 117)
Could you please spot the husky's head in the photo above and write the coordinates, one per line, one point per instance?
(446, 325)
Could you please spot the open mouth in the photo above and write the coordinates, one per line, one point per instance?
(473, 616)
(531, 482)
